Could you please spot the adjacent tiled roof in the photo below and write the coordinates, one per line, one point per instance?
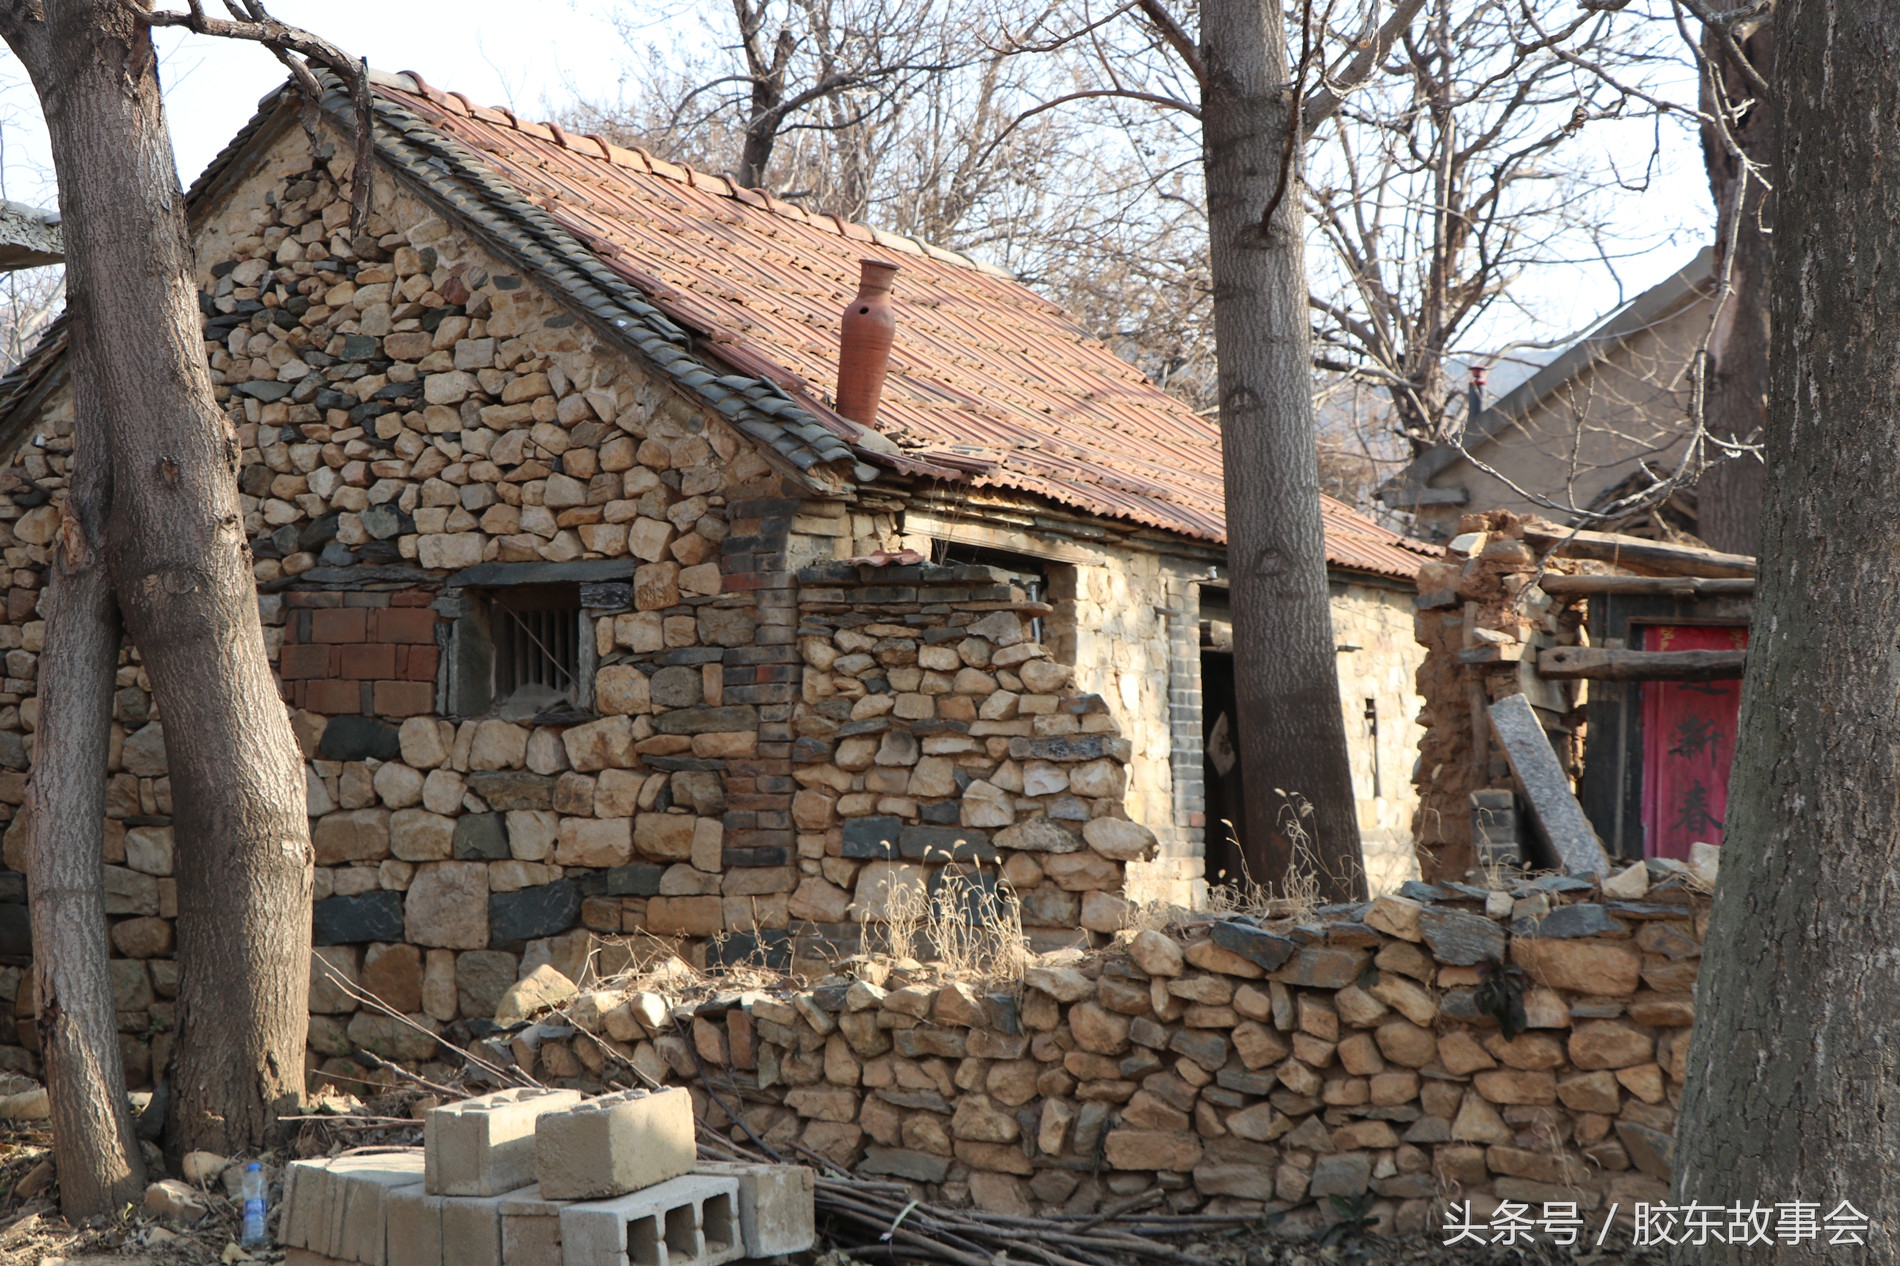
(990, 383)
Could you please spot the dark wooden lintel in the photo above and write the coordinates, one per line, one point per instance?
(1565, 663)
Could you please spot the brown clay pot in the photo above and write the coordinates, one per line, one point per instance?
(864, 343)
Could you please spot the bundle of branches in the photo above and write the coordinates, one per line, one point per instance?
(884, 1217)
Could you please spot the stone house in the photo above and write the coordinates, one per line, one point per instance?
(594, 614)
(1579, 431)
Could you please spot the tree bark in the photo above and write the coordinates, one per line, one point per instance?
(1729, 495)
(1291, 731)
(175, 548)
(1796, 1044)
(100, 1170)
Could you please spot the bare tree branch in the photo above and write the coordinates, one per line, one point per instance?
(252, 22)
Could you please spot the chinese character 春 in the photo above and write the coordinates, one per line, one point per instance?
(1695, 816)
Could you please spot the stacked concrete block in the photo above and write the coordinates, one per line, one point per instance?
(337, 1208)
(777, 1205)
(687, 1221)
(530, 1229)
(486, 1146)
(431, 1230)
(614, 1144)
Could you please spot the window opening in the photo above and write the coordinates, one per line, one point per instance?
(1030, 573)
(537, 644)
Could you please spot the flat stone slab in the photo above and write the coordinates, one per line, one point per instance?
(1553, 806)
(1461, 938)
(1254, 944)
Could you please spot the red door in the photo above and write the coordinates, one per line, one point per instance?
(1688, 742)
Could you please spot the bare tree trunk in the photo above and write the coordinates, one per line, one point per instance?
(99, 1166)
(179, 563)
(1729, 496)
(1796, 1045)
(1292, 734)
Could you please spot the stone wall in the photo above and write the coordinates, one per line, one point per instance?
(934, 731)
(1378, 675)
(1264, 1065)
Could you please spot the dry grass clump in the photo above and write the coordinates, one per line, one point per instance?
(967, 927)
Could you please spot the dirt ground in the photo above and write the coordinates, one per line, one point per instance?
(32, 1232)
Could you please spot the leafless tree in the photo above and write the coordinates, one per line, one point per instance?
(1698, 433)
(801, 74)
(1461, 170)
(150, 536)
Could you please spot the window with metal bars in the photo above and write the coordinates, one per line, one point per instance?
(537, 639)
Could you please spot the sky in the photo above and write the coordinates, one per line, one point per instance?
(536, 57)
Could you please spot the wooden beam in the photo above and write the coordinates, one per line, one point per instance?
(1565, 663)
(1666, 586)
(1634, 551)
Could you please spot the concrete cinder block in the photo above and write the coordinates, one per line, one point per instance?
(428, 1230)
(530, 1228)
(614, 1144)
(412, 1227)
(777, 1205)
(485, 1146)
(304, 1257)
(337, 1207)
(688, 1221)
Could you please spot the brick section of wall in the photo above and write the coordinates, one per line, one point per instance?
(758, 816)
(360, 653)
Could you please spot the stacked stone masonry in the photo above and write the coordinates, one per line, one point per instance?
(1251, 1064)
(421, 431)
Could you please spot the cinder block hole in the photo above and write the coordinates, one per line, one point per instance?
(643, 1242)
(682, 1234)
(717, 1221)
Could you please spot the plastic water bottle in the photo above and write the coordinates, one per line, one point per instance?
(255, 1233)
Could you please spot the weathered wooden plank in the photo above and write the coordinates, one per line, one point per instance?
(1540, 778)
(1665, 586)
(1634, 551)
(1566, 663)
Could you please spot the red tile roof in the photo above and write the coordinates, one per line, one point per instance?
(987, 377)
(990, 382)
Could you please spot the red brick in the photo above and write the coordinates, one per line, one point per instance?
(404, 698)
(313, 598)
(378, 600)
(341, 624)
(411, 598)
(305, 661)
(406, 624)
(333, 697)
(366, 661)
(418, 662)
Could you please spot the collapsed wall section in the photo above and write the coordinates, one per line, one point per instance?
(1483, 619)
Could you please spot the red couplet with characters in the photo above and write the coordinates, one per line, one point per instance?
(1688, 742)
